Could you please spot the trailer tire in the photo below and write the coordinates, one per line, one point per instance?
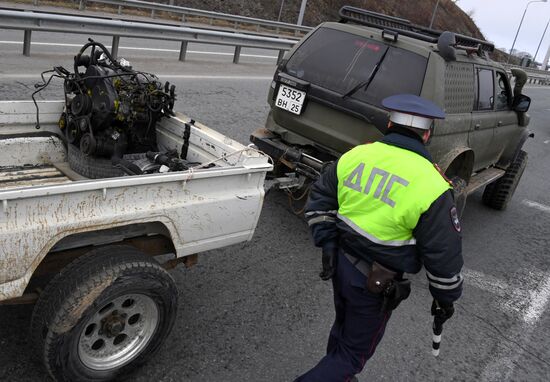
(498, 193)
(103, 315)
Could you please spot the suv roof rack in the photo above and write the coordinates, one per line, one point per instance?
(406, 28)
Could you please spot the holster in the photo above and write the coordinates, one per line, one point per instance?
(396, 292)
(381, 280)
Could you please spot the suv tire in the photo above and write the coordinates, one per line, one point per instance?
(103, 315)
(498, 194)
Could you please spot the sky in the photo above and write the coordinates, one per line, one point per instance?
(499, 21)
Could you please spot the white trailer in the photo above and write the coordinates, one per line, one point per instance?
(83, 249)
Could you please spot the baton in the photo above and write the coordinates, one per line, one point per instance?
(437, 329)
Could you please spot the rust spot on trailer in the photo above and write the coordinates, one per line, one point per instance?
(188, 261)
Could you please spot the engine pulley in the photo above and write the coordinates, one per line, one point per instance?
(81, 104)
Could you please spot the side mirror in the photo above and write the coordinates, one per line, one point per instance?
(521, 103)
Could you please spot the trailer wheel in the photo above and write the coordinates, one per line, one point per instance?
(498, 193)
(103, 315)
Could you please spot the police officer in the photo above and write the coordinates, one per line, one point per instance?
(382, 210)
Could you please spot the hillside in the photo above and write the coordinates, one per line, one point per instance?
(449, 15)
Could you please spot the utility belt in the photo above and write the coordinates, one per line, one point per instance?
(384, 282)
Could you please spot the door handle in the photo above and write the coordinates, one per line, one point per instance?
(477, 126)
(499, 123)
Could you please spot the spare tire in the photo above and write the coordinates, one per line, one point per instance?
(91, 167)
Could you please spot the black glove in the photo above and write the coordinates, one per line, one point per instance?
(442, 311)
(329, 262)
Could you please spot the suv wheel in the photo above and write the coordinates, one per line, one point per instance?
(498, 194)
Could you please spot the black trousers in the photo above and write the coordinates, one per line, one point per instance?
(357, 329)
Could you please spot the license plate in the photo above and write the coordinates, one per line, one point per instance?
(290, 99)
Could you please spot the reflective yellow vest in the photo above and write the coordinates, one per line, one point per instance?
(383, 190)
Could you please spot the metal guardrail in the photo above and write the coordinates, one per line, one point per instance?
(184, 12)
(30, 21)
(44, 22)
(538, 77)
(534, 76)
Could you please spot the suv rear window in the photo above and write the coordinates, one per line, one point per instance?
(340, 61)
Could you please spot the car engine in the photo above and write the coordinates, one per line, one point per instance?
(110, 115)
(111, 109)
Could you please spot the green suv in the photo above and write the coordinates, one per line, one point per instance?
(326, 96)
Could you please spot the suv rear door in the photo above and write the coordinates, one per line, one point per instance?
(481, 135)
(507, 129)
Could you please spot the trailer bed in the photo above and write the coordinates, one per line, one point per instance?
(46, 207)
(16, 177)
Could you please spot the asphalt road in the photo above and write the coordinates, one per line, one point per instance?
(258, 312)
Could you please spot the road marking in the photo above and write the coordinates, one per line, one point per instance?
(539, 300)
(538, 206)
(547, 141)
(175, 76)
(213, 77)
(530, 301)
(503, 362)
(511, 299)
(485, 282)
(144, 49)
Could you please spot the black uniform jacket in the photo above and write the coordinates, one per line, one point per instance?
(438, 239)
